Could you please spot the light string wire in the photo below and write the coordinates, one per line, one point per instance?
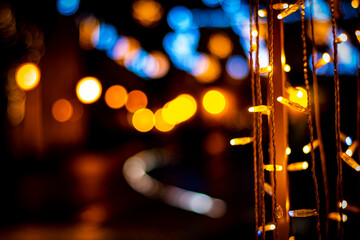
(309, 118)
(259, 124)
(272, 122)
(255, 116)
(339, 181)
(318, 122)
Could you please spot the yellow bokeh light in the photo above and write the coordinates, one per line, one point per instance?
(161, 124)
(116, 96)
(27, 76)
(62, 110)
(143, 120)
(136, 100)
(88, 89)
(214, 102)
(298, 95)
(147, 12)
(355, 3)
(220, 45)
(180, 109)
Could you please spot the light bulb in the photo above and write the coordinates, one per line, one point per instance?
(335, 216)
(241, 141)
(346, 139)
(298, 166)
(350, 161)
(341, 38)
(267, 227)
(266, 69)
(280, 6)
(268, 188)
(307, 147)
(291, 9)
(262, 13)
(357, 34)
(270, 167)
(260, 108)
(352, 148)
(287, 68)
(303, 213)
(291, 105)
(323, 60)
(288, 151)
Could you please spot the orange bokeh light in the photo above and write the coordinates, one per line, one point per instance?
(86, 28)
(88, 89)
(116, 96)
(161, 124)
(62, 110)
(147, 12)
(207, 69)
(27, 76)
(143, 120)
(220, 45)
(136, 100)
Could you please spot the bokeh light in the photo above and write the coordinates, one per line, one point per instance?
(182, 108)
(88, 89)
(207, 69)
(67, 7)
(214, 102)
(160, 65)
(104, 36)
(147, 12)
(116, 96)
(237, 67)
(27, 76)
(220, 45)
(136, 100)
(62, 110)
(86, 28)
(143, 120)
(160, 123)
(180, 18)
(212, 3)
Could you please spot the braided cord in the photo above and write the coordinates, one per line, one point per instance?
(310, 125)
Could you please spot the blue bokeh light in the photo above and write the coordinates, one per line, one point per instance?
(180, 18)
(67, 7)
(104, 37)
(212, 3)
(237, 67)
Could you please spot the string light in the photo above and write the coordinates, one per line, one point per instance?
(267, 227)
(352, 148)
(270, 167)
(268, 188)
(335, 216)
(291, 9)
(357, 34)
(342, 38)
(348, 207)
(323, 60)
(346, 139)
(307, 147)
(265, 69)
(350, 161)
(261, 109)
(280, 6)
(241, 141)
(298, 166)
(287, 68)
(288, 151)
(262, 13)
(303, 213)
(290, 104)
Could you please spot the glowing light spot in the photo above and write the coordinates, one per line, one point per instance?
(288, 151)
(207, 69)
(104, 36)
(160, 67)
(116, 96)
(349, 152)
(212, 3)
(180, 18)
(298, 95)
(220, 45)
(262, 13)
(180, 109)
(86, 28)
(67, 7)
(161, 124)
(348, 141)
(27, 76)
(62, 110)
(136, 100)
(306, 149)
(287, 68)
(88, 89)
(237, 67)
(214, 102)
(147, 12)
(143, 120)
(254, 33)
(355, 3)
